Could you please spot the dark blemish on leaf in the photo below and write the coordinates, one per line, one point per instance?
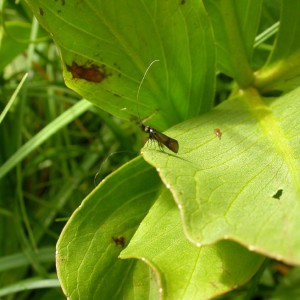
(218, 133)
(182, 2)
(41, 11)
(59, 11)
(59, 260)
(119, 241)
(116, 95)
(117, 66)
(89, 73)
(278, 194)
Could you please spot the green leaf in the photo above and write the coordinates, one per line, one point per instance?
(88, 248)
(15, 39)
(187, 271)
(282, 70)
(141, 283)
(235, 26)
(106, 47)
(10, 45)
(229, 188)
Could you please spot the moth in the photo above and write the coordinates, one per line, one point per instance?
(160, 138)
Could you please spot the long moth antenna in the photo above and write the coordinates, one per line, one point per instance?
(144, 76)
(160, 138)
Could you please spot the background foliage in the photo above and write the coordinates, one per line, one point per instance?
(236, 198)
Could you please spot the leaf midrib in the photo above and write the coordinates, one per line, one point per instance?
(272, 129)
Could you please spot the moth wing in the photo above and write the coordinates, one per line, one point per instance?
(170, 143)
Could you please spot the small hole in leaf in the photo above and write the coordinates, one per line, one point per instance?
(278, 194)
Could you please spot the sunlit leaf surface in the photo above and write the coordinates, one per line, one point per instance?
(245, 185)
(88, 248)
(187, 271)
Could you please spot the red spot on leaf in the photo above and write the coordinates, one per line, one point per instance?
(88, 73)
(218, 133)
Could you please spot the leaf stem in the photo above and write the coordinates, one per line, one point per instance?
(243, 73)
(256, 279)
(278, 73)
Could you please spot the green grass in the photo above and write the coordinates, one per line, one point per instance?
(52, 145)
(55, 147)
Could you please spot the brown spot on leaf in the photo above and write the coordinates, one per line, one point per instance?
(88, 73)
(119, 241)
(41, 11)
(63, 2)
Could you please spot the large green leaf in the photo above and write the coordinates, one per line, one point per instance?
(282, 70)
(10, 47)
(244, 186)
(106, 46)
(87, 251)
(235, 24)
(187, 271)
(88, 248)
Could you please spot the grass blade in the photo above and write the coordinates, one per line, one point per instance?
(52, 128)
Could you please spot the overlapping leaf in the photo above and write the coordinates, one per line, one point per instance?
(244, 186)
(187, 271)
(9, 43)
(88, 249)
(235, 26)
(106, 47)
